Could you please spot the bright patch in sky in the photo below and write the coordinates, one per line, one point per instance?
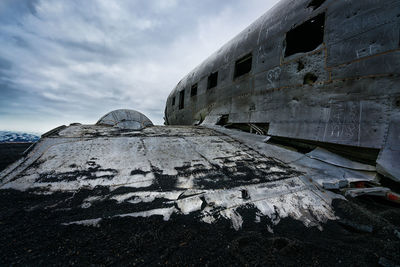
(73, 61)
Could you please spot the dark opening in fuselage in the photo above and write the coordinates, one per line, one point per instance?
(243, 66)
(182, 99)
(305, 37)
(212, 80)
(193, 90)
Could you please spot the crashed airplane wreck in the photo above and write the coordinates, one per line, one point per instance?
(300, 109)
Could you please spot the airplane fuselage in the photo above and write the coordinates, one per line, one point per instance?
(324, 71)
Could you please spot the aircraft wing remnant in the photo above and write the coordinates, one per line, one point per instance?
(206, 173)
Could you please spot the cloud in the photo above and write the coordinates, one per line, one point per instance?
(73, 61)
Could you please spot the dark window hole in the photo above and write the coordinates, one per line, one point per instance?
(173, 101)
(310, 78)
(305, 37)
(182, 99)
(193, 90)
(316, 4)
(243, 65)
(212, 80)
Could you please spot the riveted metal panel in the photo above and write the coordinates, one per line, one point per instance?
(268, 54)
(346, 19)
(381, 39)
(385, 64)
(242, 117)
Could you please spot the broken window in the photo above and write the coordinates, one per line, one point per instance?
(173, 101)
(243, 65)
(305, 37)
(212, 80)
(182, 99)
(193, 90)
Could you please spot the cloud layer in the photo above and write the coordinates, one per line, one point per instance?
(73, 61)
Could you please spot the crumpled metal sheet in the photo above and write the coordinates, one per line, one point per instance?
(334, 159)
(388, 162)
(320, 172)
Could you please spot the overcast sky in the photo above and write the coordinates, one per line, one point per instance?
(64, 61)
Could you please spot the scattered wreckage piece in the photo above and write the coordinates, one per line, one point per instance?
(373, 191)
(326, 169)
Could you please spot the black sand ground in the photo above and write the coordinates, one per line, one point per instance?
(31, 233)
(10, 152)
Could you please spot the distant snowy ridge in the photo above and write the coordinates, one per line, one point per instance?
(17, 137)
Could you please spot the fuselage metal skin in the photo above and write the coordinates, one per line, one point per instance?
(346, 90)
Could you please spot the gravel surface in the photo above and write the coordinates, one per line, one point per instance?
(10, 152)
(32, 233)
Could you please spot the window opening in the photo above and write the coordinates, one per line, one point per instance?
(243, 65)
(305, 37)
(173, 101)
(182, 99)
(193, 90)
(212, 80)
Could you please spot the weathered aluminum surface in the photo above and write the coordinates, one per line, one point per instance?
(388, 161)
(169, 170)
(352, 101)
(331, 158)
(319, 172)
(125, 119)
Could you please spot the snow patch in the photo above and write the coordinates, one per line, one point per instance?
(91, 222)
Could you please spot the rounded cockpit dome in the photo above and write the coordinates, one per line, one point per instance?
(125, 119)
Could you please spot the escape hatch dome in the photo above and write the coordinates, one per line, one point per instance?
(125, 119)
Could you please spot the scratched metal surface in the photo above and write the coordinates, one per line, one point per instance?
(125, 119)
(357, 67)
(167, 170)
